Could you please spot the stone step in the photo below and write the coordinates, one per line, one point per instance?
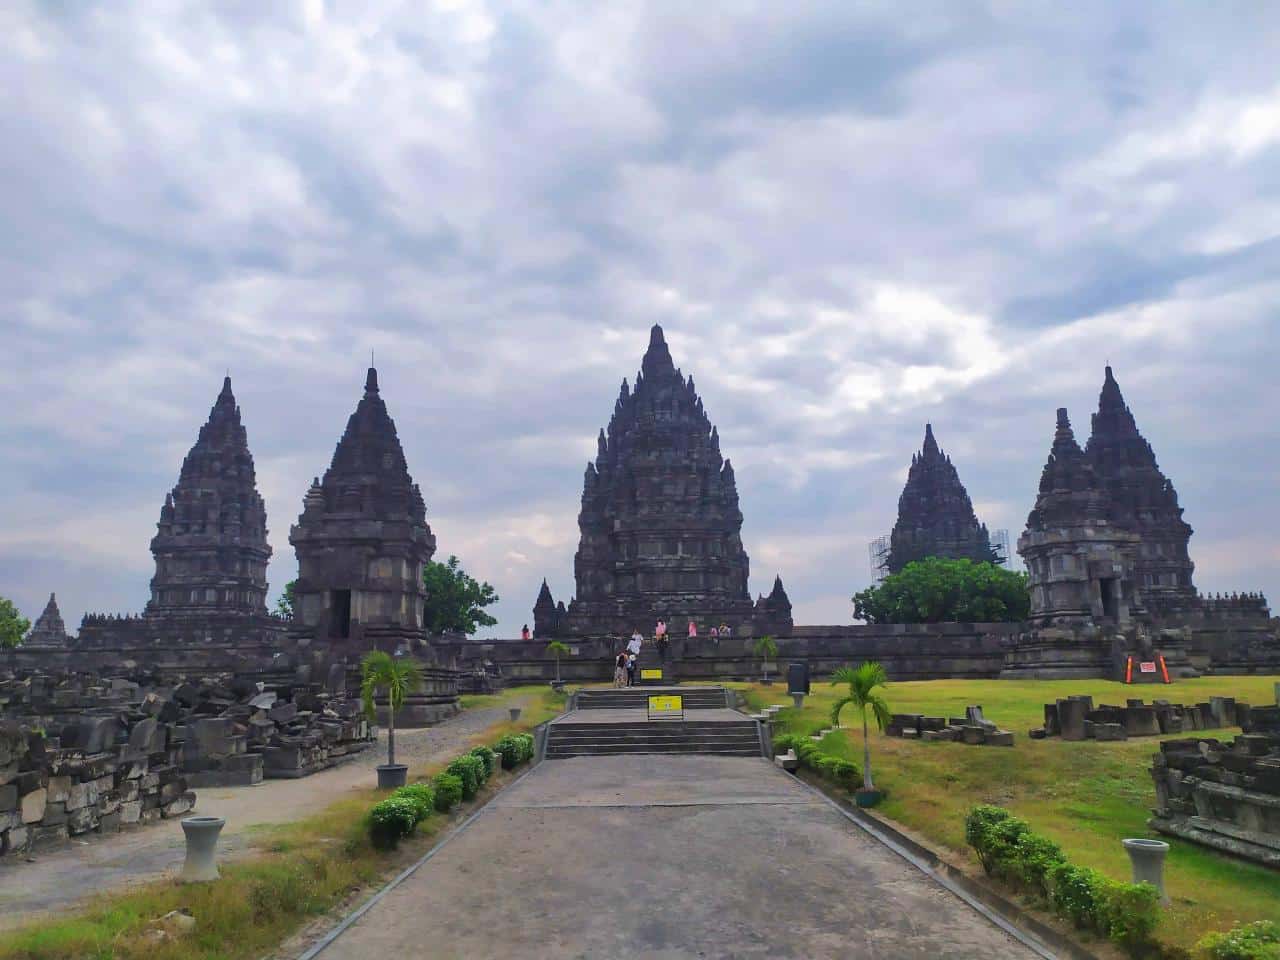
(641, 726)
(737, 737)
(555, 752)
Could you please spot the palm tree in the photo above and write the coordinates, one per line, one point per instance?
(398, 677)
(556, 648)
(862, 694)
(765, 648)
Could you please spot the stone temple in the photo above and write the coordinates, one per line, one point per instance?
(210, 550)
(935, 515)
(49, 630)
(1080, 564)
(362, 541)
(1142, 501)
(660, 523)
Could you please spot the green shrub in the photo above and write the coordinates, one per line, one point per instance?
(490, 760)
(391, 820)
(421, 795)
(469, 768)
(1252, 941)
(1033, 857)
(1128, 913)
(1076, 893)
(448, 788)
(994, 834)
(515, 749)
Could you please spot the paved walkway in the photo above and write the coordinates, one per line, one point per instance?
(657, 857)
(63, 877)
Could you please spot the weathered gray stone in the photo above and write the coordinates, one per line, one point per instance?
(32, 805)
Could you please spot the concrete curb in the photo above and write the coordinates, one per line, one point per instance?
(1038, 937)
(349, 920)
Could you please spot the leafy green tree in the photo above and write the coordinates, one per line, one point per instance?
(557, 649)
(938, 590)
(13, 625)
(285, 603)
(398, 677)
(862, 694)
(765, 648)
(455, 599)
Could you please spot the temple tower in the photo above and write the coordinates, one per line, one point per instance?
(773, 613)
(1079, 563)
(935, 515)
(49, 630)
(210, 546)
(660, 523)
(362, 540)
(1142, 501)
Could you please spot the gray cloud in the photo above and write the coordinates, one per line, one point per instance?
(849, 222)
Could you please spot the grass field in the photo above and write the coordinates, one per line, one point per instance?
(1086, 796)
(304, 869)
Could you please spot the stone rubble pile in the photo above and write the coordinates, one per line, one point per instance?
(95, 774)
(972, 728)
(1076, 718)
(1224, 795)
(82, 753)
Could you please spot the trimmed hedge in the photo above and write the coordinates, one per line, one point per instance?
(448, 789)
(490, 760)
(515, 749)
(1126, 913)
(470, 769)
(421, 795)
(845, 773)
(1252, 941)
(391, 820)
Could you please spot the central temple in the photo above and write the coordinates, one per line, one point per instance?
(660, 524)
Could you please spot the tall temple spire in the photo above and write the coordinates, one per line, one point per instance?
(1143, 501)
(660, 521)
(210, 546)
(362, 538)
(49, 629)
(935, 515)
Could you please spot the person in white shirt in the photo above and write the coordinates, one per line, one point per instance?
(634, 646)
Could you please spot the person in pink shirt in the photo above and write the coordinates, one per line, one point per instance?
(693, 629)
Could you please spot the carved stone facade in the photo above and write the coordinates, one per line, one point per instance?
(211, 545)
(362, 541)
(210, 549)
(49, 630)
(660, 523)
(1143, 501)
(1080, 564)
(935, 515)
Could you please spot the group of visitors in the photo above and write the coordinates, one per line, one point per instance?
(625, 664)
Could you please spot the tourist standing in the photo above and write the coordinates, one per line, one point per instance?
(660, 631)
(715, 632)
(693, 629)
(620, 669)
(724, 630)
(633, 647)
(631, 670)
(524, 632)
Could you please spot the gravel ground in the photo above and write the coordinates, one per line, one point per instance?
(64, 877)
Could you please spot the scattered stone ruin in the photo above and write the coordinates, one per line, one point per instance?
(1224, 795)
(1076, 718)
(972, 728)
(935, 515)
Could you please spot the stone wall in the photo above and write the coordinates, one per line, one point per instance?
(908, 651)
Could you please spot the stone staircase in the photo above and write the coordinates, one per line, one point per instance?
(708, 726)
(637, 698)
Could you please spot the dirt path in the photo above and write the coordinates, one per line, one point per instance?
(62, 878)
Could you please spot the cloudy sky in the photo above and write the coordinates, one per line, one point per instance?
(850, 219)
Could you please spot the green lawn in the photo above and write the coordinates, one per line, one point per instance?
(1087, 796)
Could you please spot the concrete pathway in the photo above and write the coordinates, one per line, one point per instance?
(63, 877)
(667, 857)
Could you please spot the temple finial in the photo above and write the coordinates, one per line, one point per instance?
(371, 381)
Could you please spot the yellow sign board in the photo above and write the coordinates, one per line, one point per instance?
(654, 674)
(665, 704)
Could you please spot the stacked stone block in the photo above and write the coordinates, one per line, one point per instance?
(1076, 718)
(1224, 795)
(973, 728)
